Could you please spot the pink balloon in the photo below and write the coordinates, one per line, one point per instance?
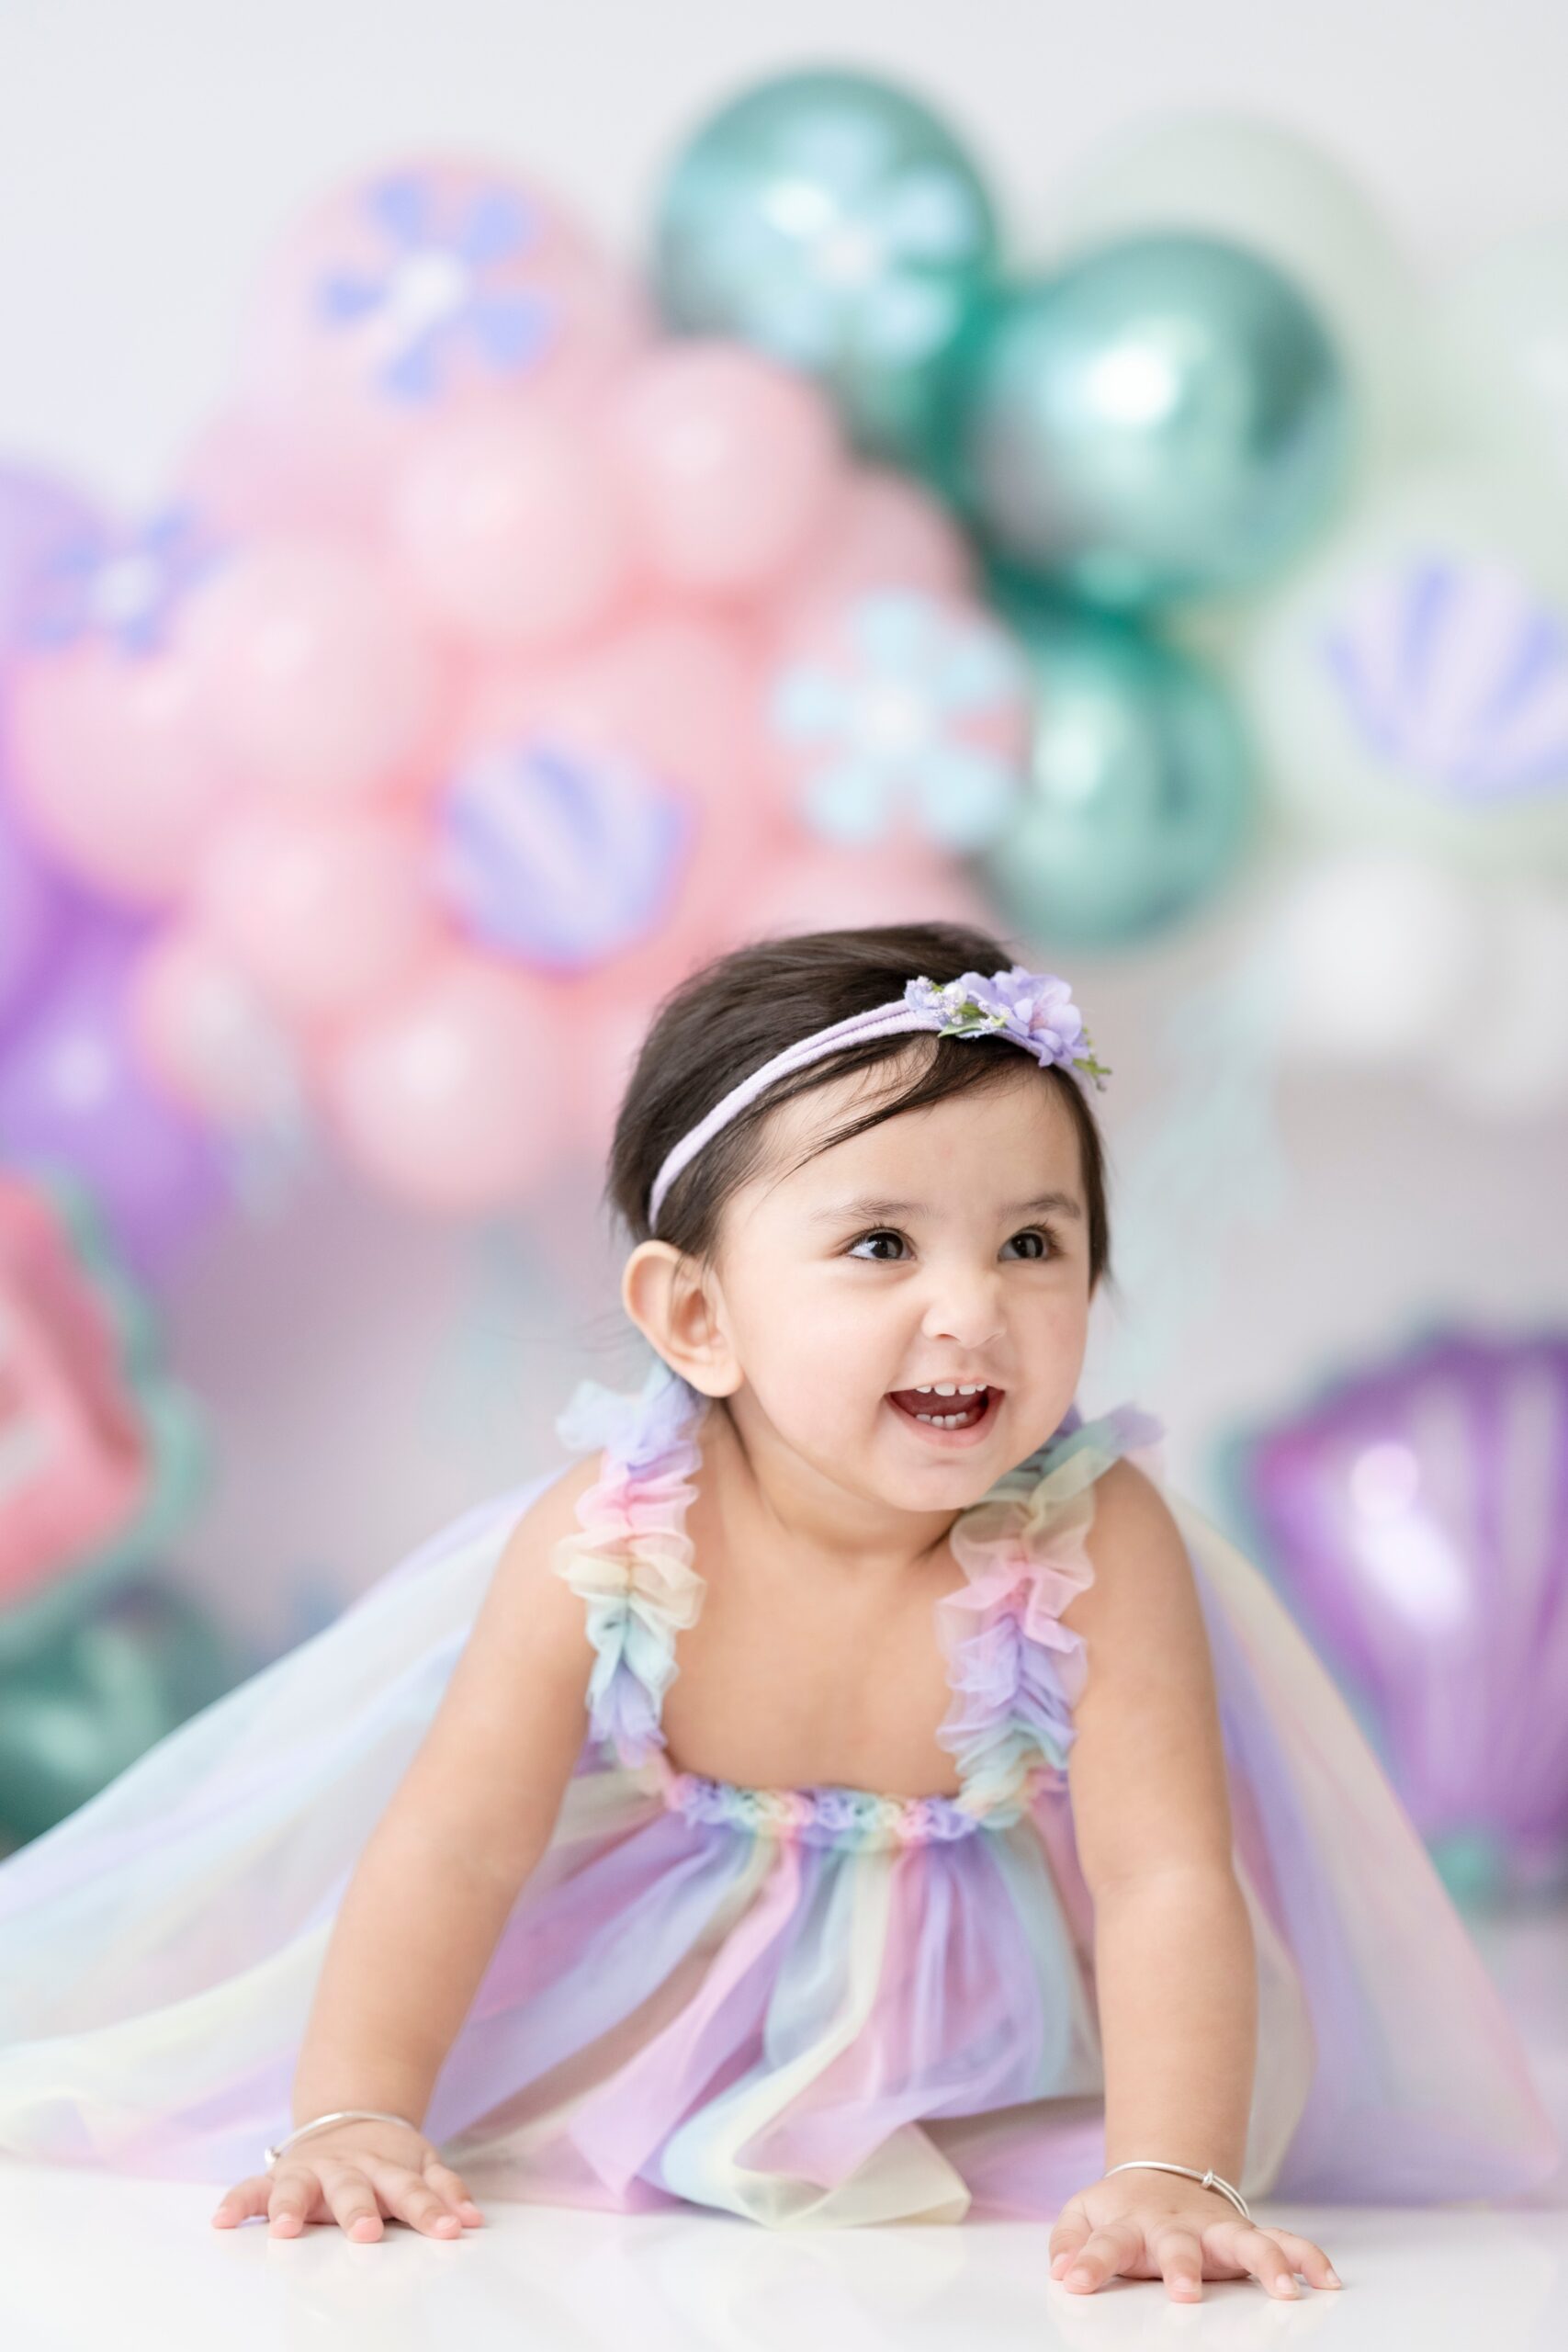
(251, 478)
(324, 912)
(450, 1096)
(818, 888)
(512, 528)
(430, 285)
(201, 1030)
(318, 678)
(679, 696)
(887, 532)
(734, 464)
(609, 1036)
(117, 765)
(681, 693)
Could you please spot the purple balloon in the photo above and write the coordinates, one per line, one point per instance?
(1417, 1514)
(73, 1095)
(31, 915)
(36, 514)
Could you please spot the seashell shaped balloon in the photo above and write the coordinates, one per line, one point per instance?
(560, 857)
(1411, 690)
(1457, 672)
(1416, 1519)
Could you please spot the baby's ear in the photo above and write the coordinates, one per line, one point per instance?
(663, 1293)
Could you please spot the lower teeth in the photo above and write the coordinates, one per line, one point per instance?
(953, 1420)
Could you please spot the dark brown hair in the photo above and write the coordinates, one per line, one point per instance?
(734, 1014)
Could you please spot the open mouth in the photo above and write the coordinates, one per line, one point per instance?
(947, 1417)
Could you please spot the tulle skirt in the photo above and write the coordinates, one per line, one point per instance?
(683, 2011)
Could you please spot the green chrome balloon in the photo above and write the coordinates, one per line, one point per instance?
(835, 222)
(1139, 798)
(1166, 417)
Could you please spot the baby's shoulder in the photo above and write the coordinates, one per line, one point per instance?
(1136, 1550)
(533, 1540)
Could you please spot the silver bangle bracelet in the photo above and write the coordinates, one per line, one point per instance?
(342, 2115)
(1210, 2179)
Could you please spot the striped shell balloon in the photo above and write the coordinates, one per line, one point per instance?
(1456, 672)
(1408, 687)
(561, 857)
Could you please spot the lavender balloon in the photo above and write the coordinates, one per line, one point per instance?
(72, 1094)
(1416, 1514)
(31, 914)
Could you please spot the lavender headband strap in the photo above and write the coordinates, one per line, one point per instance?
(1033, 1009)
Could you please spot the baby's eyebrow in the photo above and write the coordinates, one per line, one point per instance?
(865, 1209)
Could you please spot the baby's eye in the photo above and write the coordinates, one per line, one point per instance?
(1039, 1233)
(884, 1233)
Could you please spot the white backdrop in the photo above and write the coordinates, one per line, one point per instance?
(367, 1371)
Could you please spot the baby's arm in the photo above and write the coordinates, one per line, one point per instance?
(438, 1878)
(1174, 1959)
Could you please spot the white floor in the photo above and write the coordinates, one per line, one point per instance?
(94, 2261)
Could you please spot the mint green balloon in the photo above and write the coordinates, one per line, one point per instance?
(1166, 417)
(1140, 799)
(835, 222)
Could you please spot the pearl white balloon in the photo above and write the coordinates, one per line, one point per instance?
(1376, 958)
(1510, 1061)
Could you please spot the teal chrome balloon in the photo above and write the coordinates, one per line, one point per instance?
(96, 1695)
(835, 222)
(1139, 796)
(1166, 417)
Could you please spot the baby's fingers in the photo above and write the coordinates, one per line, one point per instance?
(407, 2194)
(353, 2202)
(246, 2196)
(1180, 2254)
(1258, 2251)
(1308, 2258)
(455, 2189)
(291, 2201)
(1101, 2254)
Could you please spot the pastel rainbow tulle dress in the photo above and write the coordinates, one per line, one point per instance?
(806, 2006)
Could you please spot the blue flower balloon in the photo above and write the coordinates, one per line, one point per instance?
(1139, 795)
(1166, 417)
(835, 222)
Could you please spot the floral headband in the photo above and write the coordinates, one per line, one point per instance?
(1034, 1010)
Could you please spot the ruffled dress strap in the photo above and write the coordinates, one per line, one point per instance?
(1017, 1671)
(629, 1557)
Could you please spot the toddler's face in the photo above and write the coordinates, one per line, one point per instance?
(948, 1244)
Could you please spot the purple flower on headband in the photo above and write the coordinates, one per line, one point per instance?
(1035, 1010)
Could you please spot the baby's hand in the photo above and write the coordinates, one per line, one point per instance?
(352, 2174)
(1182, 2233)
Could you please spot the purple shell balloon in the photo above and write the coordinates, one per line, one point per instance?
(1417, 1518)
(559, 856)
(1457, 674)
